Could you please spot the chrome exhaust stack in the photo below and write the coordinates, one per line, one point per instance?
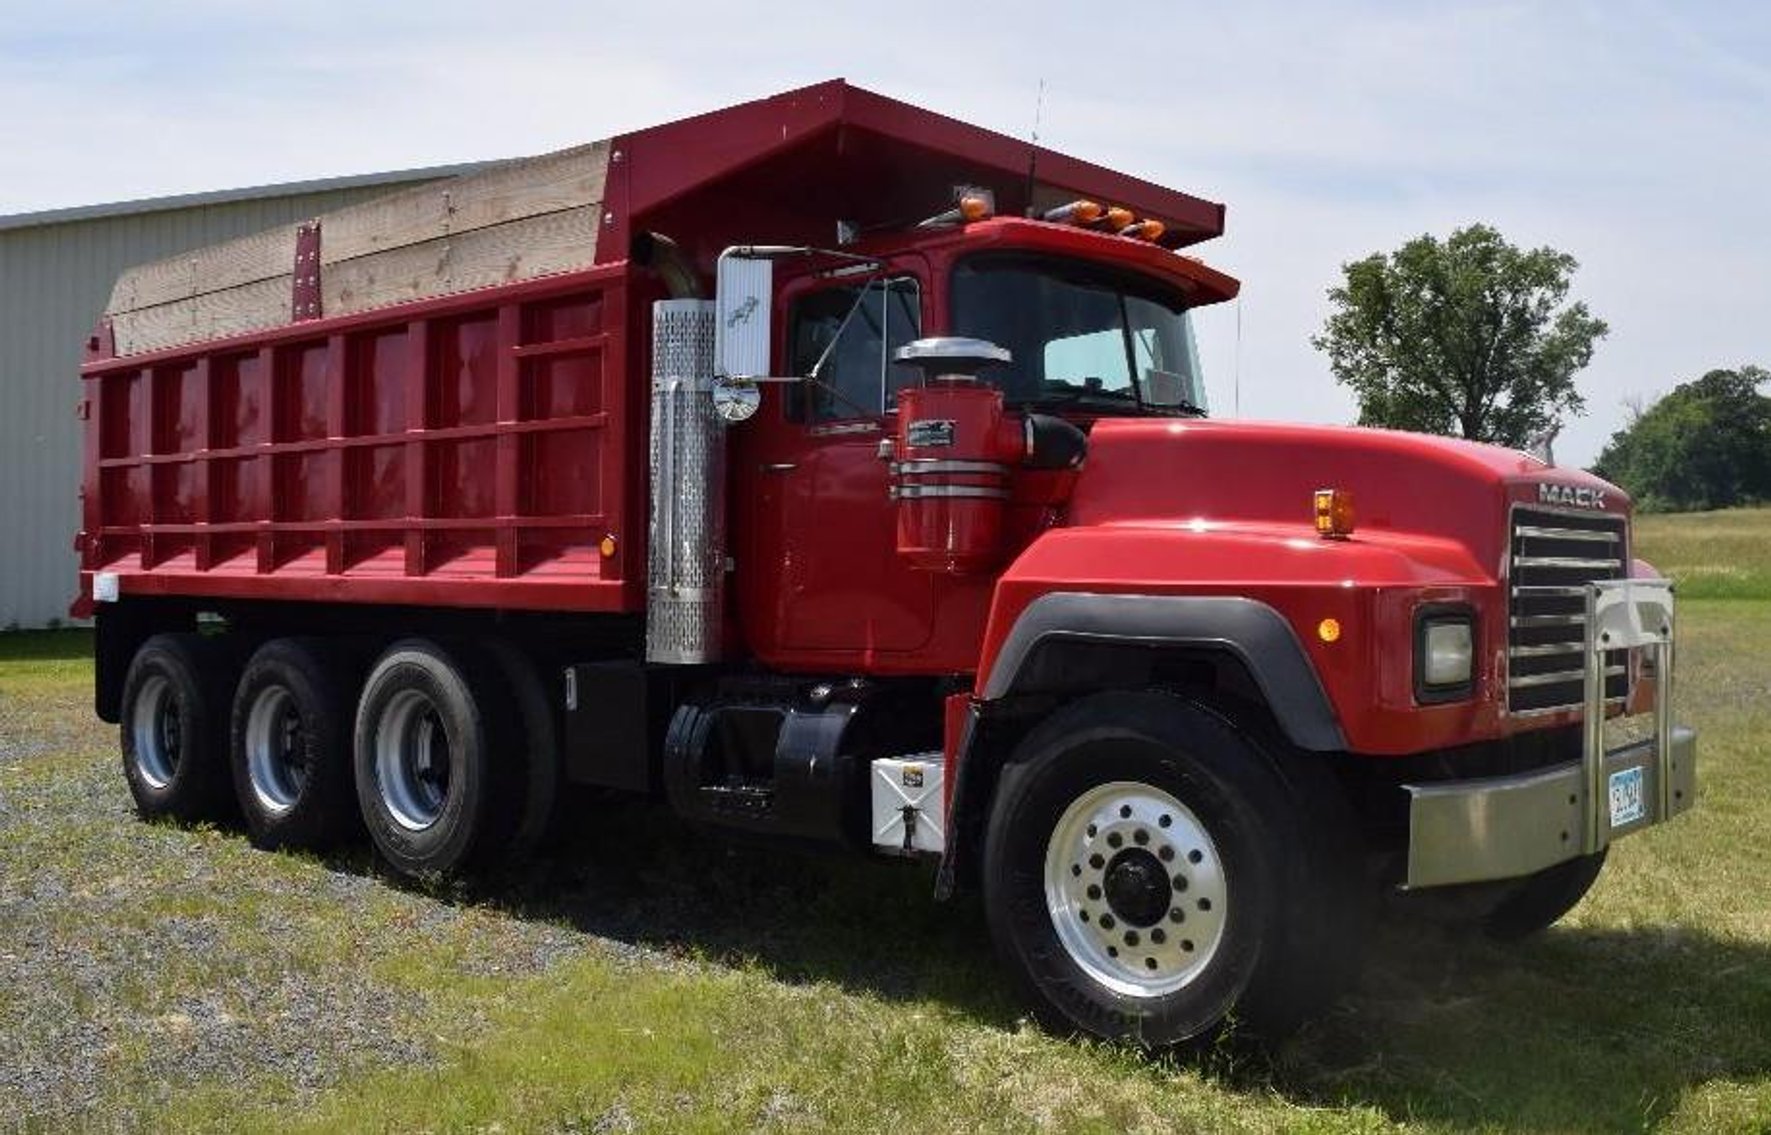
(686, 550)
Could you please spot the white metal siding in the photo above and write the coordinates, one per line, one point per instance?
(55, 279)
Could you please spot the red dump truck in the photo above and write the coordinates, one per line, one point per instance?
(838, 473)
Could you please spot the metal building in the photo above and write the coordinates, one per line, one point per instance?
(56, 273)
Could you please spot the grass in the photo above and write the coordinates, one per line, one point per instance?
(1712, 555)
(647, 979)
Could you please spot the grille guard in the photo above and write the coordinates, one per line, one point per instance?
(1470, 831)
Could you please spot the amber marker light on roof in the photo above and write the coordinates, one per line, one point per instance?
(975, 207)
(1075, 213)
(1119, 217)
(1144, 230)
(1334, 513)
(971, 205)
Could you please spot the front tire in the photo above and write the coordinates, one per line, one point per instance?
(1147, 872)
(1540, 900)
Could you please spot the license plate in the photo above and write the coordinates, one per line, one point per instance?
(1626, 796)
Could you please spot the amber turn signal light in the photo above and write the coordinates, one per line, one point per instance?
(1334, 513)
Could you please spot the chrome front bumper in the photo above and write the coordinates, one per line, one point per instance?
(1468, 831)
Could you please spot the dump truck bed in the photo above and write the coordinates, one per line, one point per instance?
(471, 451)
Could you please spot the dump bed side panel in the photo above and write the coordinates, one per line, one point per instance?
(471, 451)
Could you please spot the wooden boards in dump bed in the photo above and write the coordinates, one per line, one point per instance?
(515, 221)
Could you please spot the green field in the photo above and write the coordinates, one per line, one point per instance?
(1712, 555)
(646, 979)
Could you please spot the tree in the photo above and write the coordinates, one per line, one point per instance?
(1468, 336)
(1705, 445)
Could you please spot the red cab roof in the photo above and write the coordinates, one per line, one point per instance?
(841, 151)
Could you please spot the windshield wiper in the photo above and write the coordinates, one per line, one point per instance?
(1118, 401)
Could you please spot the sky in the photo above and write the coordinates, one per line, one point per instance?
(1633, 134)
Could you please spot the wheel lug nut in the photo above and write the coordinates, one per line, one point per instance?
(1114, 840)
(1094, 892)
(1204, 904)
(1165, 820)
(1167, 853)
(1158, 935)
(1195, 855)
(1176, 914)
(1096, 861)
(1140, 837)
(1106, 922)
(1131, 937)
(1180, 882)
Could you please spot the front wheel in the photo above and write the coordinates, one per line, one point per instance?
(1152, 874)
(1539, 901)
(1136, 889)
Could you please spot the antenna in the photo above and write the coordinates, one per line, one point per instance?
(1033, 145)
(1238, 364)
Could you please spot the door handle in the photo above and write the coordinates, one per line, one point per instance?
(780, 466)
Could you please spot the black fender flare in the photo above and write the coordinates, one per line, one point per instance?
(1248, 629)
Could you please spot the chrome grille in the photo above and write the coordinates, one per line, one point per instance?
(1553, 557)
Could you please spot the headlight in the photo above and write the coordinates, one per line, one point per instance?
(1444, 654)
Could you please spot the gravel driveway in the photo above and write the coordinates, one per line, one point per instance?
(137, 960)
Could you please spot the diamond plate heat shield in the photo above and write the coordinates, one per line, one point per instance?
(685, 559)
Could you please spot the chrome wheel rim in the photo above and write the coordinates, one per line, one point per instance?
(1136, 889)
(412, 760)
(276, 752)
(156, 733)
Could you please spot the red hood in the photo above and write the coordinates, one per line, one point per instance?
(1145, 470)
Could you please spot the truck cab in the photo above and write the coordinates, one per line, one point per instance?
(1096, 327)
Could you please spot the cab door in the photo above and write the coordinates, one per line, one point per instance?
(820, 581)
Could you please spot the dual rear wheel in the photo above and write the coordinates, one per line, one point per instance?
(445, 756)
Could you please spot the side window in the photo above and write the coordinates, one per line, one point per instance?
(849, 335)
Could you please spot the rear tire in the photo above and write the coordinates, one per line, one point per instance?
(1151, 876)
(290, 745)
(435, 801)
(173, 725)
(537, 783)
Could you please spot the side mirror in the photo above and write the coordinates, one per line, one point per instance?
(744, 308)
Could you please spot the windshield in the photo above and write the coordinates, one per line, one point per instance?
(1080, 336)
